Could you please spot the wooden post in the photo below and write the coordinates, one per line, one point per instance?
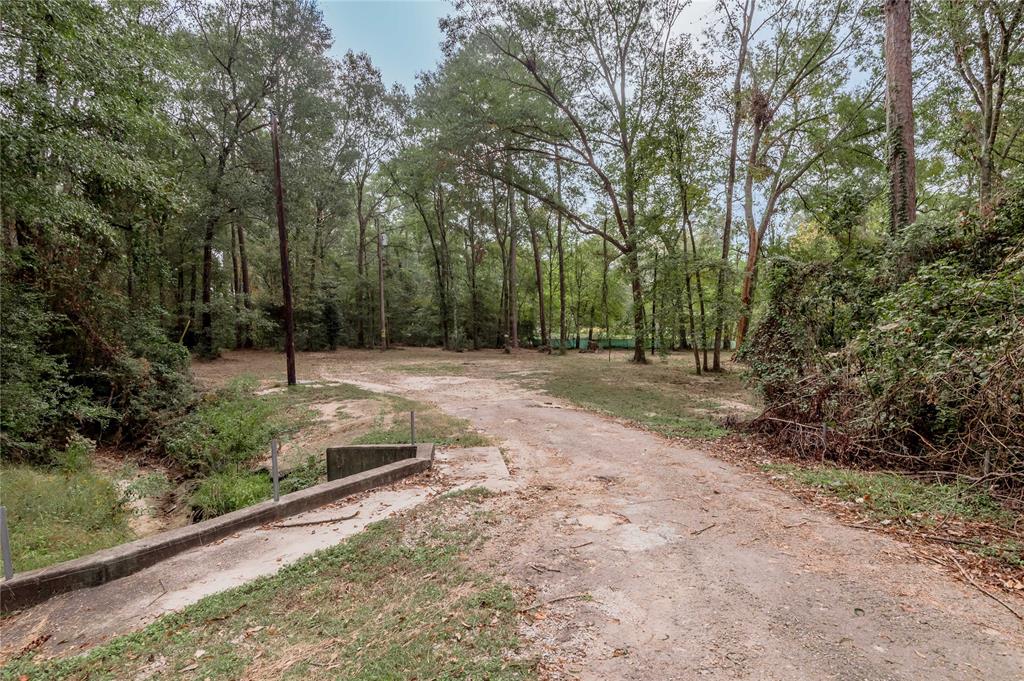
(286, 276)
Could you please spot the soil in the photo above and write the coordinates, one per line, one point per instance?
(651, 560)
(640, 558)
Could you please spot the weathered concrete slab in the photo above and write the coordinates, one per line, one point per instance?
(98, 568)
(478, 467)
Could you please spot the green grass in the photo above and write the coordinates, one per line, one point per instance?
(396, 601)
(432, 425)
(665, 397)
(891, 497)
(897, 497)
(60, 515)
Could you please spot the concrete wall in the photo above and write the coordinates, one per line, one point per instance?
(27, 589)
(345, 461)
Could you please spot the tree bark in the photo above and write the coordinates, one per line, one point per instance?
(538, 275)
(899, 116)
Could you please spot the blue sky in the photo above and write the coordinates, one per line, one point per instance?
(401, 36)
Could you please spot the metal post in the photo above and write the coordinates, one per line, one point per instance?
(273, 468)
(412, 427)
(5, 544)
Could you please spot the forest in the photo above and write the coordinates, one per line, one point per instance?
(819, 201)
(847, 218)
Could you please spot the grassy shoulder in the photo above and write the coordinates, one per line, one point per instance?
(395, 601)
(664, 396)
(965, 515)
(58, 515)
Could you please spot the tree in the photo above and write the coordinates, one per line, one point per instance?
(372, 119)
(899, 116)
(984, 38)
(593, 64)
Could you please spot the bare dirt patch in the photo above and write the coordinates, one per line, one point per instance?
(706, 570)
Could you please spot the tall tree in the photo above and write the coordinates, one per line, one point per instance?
(899, 116)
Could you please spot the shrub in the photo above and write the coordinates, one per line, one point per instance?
(934, 378)
(228, 428)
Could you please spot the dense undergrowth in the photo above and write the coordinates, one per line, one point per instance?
(907, 353)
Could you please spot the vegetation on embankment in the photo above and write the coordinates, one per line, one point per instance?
(60, 514)
(905, 353)
(395, 601)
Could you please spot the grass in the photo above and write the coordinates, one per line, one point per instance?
(60, 515)
(432, 425)
(665, 396)
(891, 497)
(897, 497)
(395, 601)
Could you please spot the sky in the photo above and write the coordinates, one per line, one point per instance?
(402, 37)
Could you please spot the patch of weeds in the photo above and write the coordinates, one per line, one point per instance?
(60, 515)
(897, 497)
(230, 427)
(1009, 552)
(154, 484)
(311, 472)
(229, 490)
(432, 425)
(393, 602)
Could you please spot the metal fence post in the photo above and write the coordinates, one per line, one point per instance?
(273, 468)
(5, 544)
(412, 427)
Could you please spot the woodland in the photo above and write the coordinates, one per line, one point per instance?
(832, 193)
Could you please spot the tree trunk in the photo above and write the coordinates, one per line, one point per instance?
(730, 182)
(236, 288)
(474, 298)
(538, 274)
(513, 307)
(561, 261)
(243, 262)
(899, 116)
(633, 263)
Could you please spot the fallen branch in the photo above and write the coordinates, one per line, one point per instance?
(315, 522)
(554, 600)
(970, 580)
(703, 529)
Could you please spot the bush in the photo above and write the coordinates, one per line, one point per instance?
(934, 378)
(228, 428)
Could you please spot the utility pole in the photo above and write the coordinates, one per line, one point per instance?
(380, 286)
(286, 275)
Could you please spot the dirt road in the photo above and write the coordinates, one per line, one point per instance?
(661, 562)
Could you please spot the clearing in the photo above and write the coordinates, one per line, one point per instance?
(629, 556)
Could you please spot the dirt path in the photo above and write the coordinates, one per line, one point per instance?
(678, 566)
